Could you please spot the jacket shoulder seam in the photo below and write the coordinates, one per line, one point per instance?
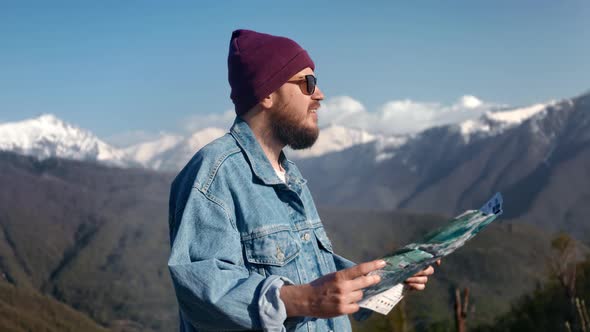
(211, 176)
(215, 200)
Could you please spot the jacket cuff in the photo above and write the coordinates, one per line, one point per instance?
(272, 310)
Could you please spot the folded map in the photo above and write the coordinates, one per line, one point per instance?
(415, 257)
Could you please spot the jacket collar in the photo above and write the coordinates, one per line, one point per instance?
(258, 161)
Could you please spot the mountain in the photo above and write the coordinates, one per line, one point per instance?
(96, 239)
(331, 139)
(537, 156)
(172, 152)
(47, 136)
(90, 236)
(25, 310)
(495, 123)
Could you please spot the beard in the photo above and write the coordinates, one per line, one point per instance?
(291, 131)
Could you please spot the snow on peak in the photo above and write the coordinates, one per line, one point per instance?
(470, 127)
(494, 122)
(171, 152)
(48, 136)
(334, 138)
(386, 147)
(517, 116)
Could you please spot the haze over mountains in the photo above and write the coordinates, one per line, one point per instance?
(96, 238)
(48, 136)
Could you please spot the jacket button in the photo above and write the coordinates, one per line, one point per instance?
(306, 237)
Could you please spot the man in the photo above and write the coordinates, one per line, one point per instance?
(249, 251)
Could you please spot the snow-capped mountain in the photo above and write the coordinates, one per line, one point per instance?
(332, 139)
(47, 136)
(172, 152)
(491, 123)
(494, 123)
(537, 156)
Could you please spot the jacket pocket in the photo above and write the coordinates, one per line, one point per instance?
(323, 239)
(270, 254)
(327, 252)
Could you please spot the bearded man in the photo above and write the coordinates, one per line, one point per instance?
(249, 251)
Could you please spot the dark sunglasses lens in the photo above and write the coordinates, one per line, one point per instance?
(311, 83)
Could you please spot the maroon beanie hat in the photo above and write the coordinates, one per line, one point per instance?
(258, 64)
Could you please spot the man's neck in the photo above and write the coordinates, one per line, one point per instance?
(271, 146)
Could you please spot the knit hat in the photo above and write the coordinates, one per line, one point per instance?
(258, 64)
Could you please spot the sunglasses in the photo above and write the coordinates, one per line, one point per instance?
(310, 81)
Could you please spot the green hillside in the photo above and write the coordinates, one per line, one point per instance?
(93, 237)
(549, 307)
(504, 261)
(96, 239)
(23, 310)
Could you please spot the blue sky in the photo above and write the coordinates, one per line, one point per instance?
(116, 67)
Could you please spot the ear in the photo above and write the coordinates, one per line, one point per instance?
(267, 102)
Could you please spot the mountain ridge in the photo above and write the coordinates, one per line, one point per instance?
(47, 136)
(533, 163)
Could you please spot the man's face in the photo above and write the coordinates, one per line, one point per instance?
(295, 121)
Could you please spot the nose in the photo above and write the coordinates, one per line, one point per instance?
(317, 94)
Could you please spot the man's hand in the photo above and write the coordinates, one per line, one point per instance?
(332, 295)
(419, 280)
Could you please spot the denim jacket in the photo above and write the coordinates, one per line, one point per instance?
(238, 232)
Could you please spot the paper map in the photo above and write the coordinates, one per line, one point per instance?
(415, 257)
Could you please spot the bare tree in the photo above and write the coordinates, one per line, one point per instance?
(563, 263)
(461, 309)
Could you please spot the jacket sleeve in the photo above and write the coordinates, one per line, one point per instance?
(213, 288)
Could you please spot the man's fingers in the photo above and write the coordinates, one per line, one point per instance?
(438, 262)
(362, 269)
(355, 296)
(426, 272)
(350, 308)
(364, 282)
(417, 280)
(417, 286)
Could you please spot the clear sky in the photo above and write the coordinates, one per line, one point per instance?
(122, 66)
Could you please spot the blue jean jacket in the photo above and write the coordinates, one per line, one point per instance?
(235, 227)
